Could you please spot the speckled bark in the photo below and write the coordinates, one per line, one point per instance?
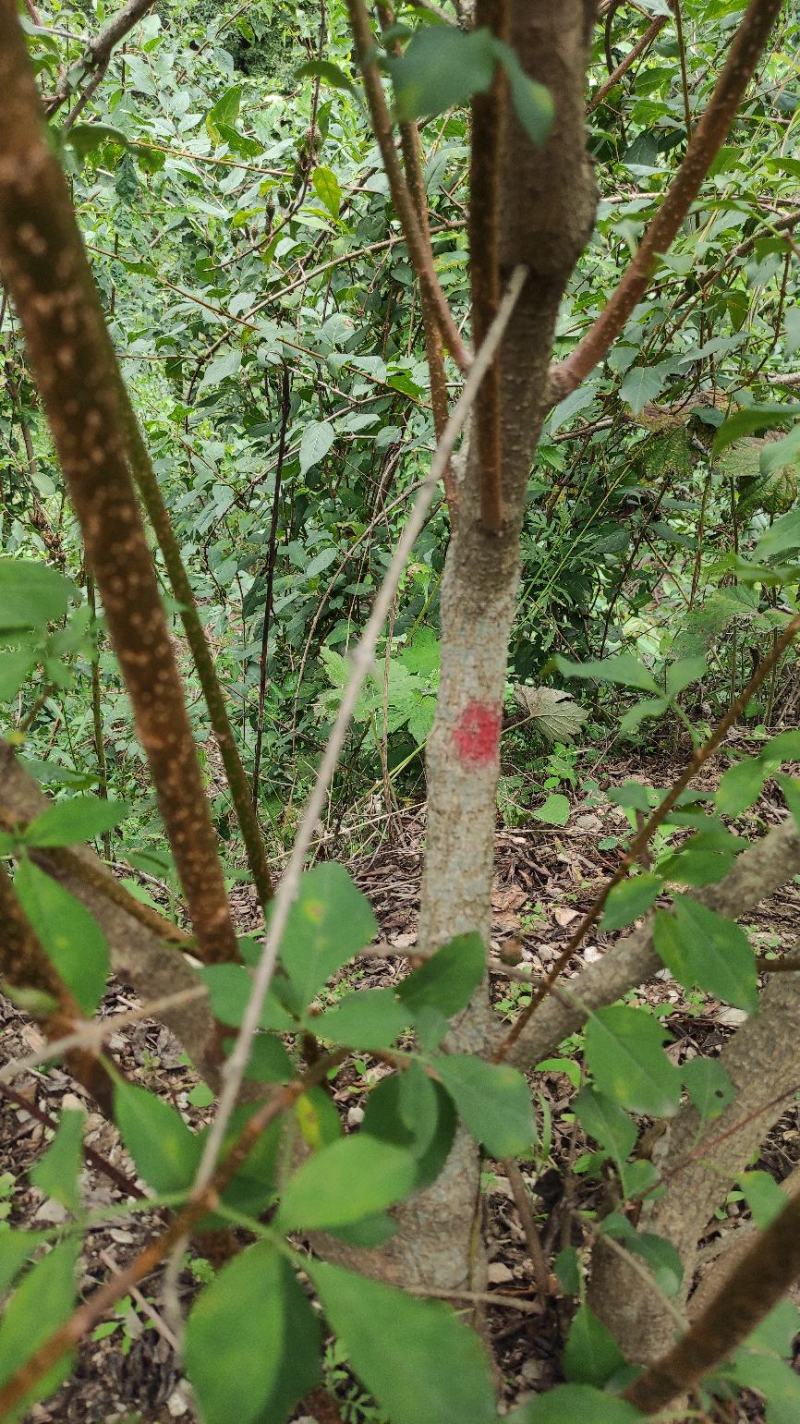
(547, 209)
(45, 269)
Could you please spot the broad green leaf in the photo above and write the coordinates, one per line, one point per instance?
(775, 1380)
(740, 786)
(441, 67)
(622, 668)
(554, 810)
(606, 1122)
(781, 537)
(630, 899)
(299, 1365)
(494, 1101)
(42, 1303)
(253, 1188)
(650, 707)
(236, 1336)
(591, 1354)
(326, 186)
(354, 1177)
(415, 1356)
(79, 819)
(329, 922)
(777, 453)
(317, 1118)
(367, 1018)
(395, 1113)
(624, 1053)
(790, 788)
(32, 594)
(659, 1254)
(783, 747)
(165, 1151)
(754, 417)
(316, 441)
(708, 1085)
(14, 668)
(763, 1196)
(705, 949)
(532, 102)
(57, 1171)
(225, 111)
(15, 1249)
(568, 1270)
(230, 987)
(71, 938)
(328, 72)
(683, 673)
(642, 384)
(448, 980)
(575, 1404)
(269, 1061)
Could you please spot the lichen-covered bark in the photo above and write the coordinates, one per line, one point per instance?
(45, 269)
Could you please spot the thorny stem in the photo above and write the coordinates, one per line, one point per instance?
(707, 139)
(419, 250)
(642, 837)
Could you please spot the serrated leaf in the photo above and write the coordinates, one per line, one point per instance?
(328, 72)
(14, 668)
(625, 1056)
(745, 421)
(630, 899)
(353, 1178)
(704, 949)
(493, 1100)
(642, 384)
(79, 819)
(71, 938)
(367, 1018)
(235, 1336)
(420, 1362)
(782, 536)
(591, 1354)
(326, 186)
(165, 1151)
(554, 712)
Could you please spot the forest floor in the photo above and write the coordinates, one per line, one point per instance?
(545, 877)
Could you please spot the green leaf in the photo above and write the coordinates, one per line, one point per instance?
(494, 1101)
(422, 1365)
(650, 707)
(448, 979)
(533, 103)
(15, 1248)
(326, 186)
(659, 1254)
(775, 1380)
(14, 668)
(395, 1113)
(683, 673)
(740, 786)
(328, 72)
(782, 536)
(316, 441)
(57, 1171)
(568, 1270)
(606, 1122)
(230, 987)
(624, 1053)
(42, 1303)
(225, 111)
(236, 1336)
(591, 1354)
(705, 949)
(763, 1196)
(329, 922)
(165, 1151)
(31, 594)
(790, 788)
(354, 1177)
(80, 819)
(367, 1018)
(755, 417)
(554, 810)
(569, 1403)
(299, 1365)
(642, 384)
(630, 899)
(269, 1061)
(777, 453)
(442, 67)
(71, 938)
(623, 668)
(708, 1085)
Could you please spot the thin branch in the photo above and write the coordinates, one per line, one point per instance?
(641, 839)
(533, 1240)
(419, 250)
(756, 1284)
(707, 139)
(270, 572)
(94, 1159)
(641, 47)
(98, 50)
(236, 1064)
(47, 273)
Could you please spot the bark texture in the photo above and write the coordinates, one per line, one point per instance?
(548, 203)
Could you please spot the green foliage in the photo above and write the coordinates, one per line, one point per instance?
(344, 1182)
(71, 937)
(591, 1354)
(703, 948)
(56, 1173)
(493, 1100)
(166, 1152)
(39, 1305)
(625, 1057)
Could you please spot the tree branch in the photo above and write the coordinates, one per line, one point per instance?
(707, 139)
(419, 250)
(642, 45)
(98, 51)
(44, 265)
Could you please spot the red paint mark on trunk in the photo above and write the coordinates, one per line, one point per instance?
(477, 733)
